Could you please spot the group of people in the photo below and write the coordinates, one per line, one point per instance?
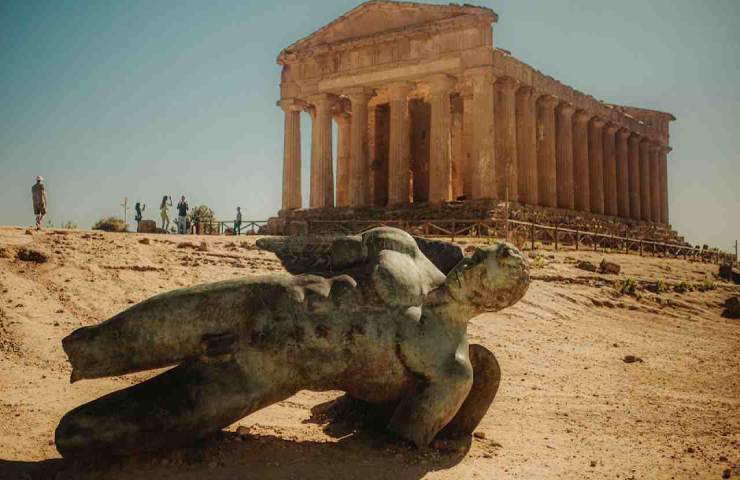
(182, 214)
(38, 193)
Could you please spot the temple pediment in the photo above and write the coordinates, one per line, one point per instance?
(378, 17)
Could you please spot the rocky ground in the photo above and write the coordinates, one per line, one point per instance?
(596, 383)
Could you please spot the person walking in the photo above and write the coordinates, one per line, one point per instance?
(238, 221)
(182, 216)
(164, 212)
(38, 192)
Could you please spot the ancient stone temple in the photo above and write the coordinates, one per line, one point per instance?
(429, 114)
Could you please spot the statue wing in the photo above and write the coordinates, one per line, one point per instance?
(444, 255)
(320, 255)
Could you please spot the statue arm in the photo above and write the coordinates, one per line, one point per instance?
(426, 410)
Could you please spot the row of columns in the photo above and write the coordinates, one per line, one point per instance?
(519, 145)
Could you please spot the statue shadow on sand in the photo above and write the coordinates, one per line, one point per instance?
(361, 448)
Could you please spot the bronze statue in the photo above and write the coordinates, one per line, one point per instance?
(370, 315)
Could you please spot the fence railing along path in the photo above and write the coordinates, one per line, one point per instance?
(527, 233)
(228, 227)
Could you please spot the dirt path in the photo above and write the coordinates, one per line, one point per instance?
(568, 407)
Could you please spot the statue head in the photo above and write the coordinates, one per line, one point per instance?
(493, 278)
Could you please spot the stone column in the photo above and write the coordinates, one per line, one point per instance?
(359, 170)
(546, 148)
(596, 164)
(566, 193)
(506, 154)
(526, 145)
(664, 151)
(610, 170)
(399, 158)
(623, 190)
(344, 144)
(581, 176)
(481, 114)
(634, 176)
(322, 171)
(292, 154)
(440, 169)
(469, 151)
(645, 208)
(654, 183)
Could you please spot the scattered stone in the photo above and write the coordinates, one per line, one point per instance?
(593, 463)
(586, 265)
(480, 435)
(690, 450)
(147, 226)
(203, 246)
(30, 255)
(145, 241)
(722, 458)
(242, 431)
(632, 359)
(29, 232)
(609, 268)
(186, 245)
(732, 307)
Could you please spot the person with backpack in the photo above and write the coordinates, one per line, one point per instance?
(182, 216)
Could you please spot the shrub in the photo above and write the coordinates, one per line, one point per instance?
(538, 262)
(660, 287)
(705, 285)
(201, 215)
(627, 286)
(110, 224)
(683, 287)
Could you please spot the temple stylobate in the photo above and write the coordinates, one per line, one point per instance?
(428, 111)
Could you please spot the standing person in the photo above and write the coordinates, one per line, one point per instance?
(238, 221)
(182, 216)
(139, 208)
(38, 192)
(164, 212)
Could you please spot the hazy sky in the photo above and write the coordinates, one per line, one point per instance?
(143, 98)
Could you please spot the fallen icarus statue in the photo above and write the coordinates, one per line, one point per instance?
(370, 315)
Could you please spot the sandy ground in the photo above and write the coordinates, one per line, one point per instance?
(568, 407)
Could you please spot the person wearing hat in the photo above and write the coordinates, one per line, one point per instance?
(38, 192)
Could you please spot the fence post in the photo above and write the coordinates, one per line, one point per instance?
(532, 234)
(578, 239)
(556, 237)
(453, 230)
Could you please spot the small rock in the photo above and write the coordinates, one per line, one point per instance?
(727, 473)
(29, 232)
(203, 246)
(145, 241)
(480, 435)
(632, 359)
(593, 463)
(242, 431)
(609, 268)
(690, 450)
(732, 307)
(30, 255)
(586, 265)
(722, 458)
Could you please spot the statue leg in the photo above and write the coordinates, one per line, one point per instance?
(188, 402)
(486, 378)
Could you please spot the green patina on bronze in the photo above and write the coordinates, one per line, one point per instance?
(370, 315)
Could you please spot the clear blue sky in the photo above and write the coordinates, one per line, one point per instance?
(144, 97)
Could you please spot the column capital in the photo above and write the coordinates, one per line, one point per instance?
(357, 94)
(611, 128)
(400, 90)
(322, 99)
(548, 101)
(480, 74)
(291, 104)
(507, 84)
(440, 83)
(582, 116)
(566, 109)
(525, 90)
(598, 122)
(624, 134)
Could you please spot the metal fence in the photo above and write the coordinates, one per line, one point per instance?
(228, 227)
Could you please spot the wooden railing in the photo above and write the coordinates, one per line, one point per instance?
(228, 227)
(526, 234)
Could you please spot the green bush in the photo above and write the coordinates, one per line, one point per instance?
(683, 287)
(627, 286)
(538, 262)
(110, 224)
(705, 285)
(660, 287)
